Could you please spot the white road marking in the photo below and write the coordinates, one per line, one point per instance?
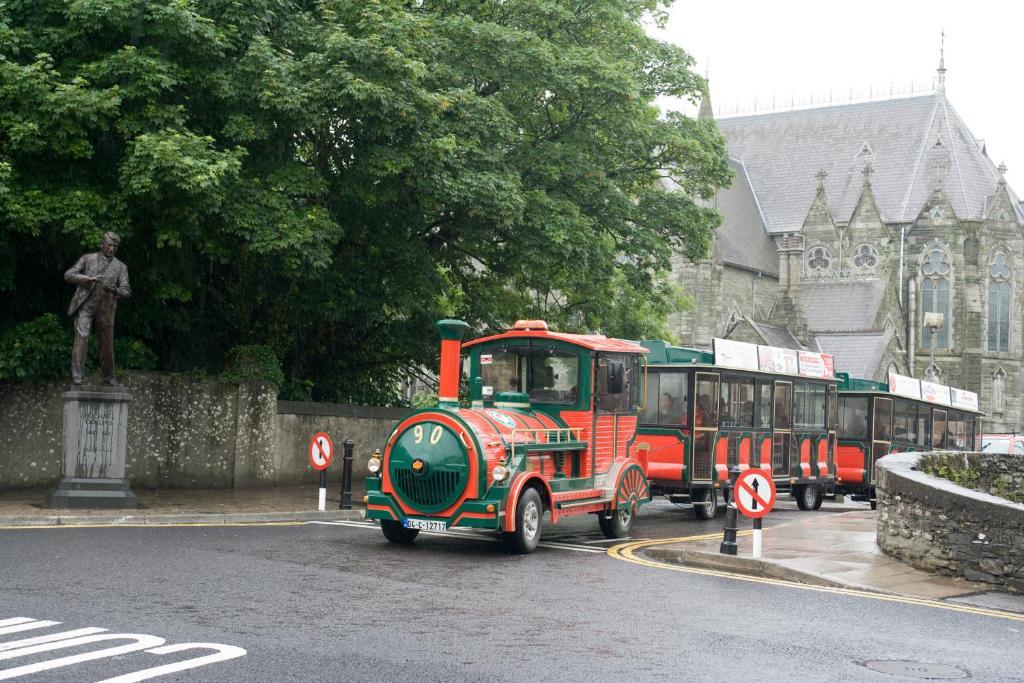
(26, 626)
(26, 647)
(142, 642)
(25, 642)
(223, 653)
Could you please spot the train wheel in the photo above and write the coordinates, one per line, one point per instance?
(707, 504)
(808, 496)
(396, 533)
(820, 499)
(618, 522)
(529, 511)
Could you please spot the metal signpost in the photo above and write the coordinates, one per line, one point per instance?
(321, 448)
(754, 493)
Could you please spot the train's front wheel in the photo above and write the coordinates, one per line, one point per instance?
(529, 511)
(396, 533)
(705, 504)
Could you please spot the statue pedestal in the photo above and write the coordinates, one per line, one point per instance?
(94, 443)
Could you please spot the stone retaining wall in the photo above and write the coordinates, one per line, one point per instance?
(936, 525)
(191, 433)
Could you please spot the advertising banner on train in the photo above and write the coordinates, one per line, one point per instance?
(936, 393)
(819, 365)
(901, 385)
(961, 398)
(735, 354)
(774, 359)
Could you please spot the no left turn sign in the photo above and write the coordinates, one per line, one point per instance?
(321, 448)
(755, 493)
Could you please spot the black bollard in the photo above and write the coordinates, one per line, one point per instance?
(346, 476)
(728, 546)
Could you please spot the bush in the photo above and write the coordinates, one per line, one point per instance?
(134, 355)
(253, 363)
(34, 350)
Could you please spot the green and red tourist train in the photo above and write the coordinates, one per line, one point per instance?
(742, 405)
(583, 424)
(905, 414)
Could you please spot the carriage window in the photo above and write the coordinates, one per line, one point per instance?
(883, 419)
(904, 421)
(956, 430)
(614, 388)
(554, 376)
(922, 426)
(706, 406)
(666, 399)
(938, 428)
(783, 405)
(763, 417)
(809, 406)
(853, 418)
(736, 406)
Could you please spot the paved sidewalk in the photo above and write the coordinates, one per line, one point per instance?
(829, 550)
(223, 506)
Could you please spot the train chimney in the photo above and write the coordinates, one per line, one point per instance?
(451, 332)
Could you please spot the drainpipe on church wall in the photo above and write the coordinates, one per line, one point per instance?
(899, 292)
(911, 322)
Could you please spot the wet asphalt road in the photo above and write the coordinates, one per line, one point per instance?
(336, 602)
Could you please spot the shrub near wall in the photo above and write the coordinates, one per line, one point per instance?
(937, 525)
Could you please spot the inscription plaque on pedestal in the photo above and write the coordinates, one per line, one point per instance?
(94, 443)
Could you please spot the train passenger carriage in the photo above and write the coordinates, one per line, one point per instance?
(741, 405)
(905, 414)
(550, 427)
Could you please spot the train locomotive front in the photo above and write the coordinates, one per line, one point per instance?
(503, 463)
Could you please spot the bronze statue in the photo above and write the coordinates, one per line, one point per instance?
(101, 280)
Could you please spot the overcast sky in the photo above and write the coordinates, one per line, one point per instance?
(795, 49)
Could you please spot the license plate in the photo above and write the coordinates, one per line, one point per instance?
(424, 524)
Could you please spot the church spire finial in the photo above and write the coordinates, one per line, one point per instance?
(821, 175)
(867, 172)
(705, 111)
(942, 61)
(1002, 173)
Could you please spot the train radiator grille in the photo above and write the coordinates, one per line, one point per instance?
(429, 490)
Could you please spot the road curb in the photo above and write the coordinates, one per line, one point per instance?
(214, 518)
(745, 565)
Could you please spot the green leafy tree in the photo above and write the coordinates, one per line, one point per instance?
(327, 178)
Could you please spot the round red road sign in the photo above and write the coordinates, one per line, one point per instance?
(754, 493)
(321, 448)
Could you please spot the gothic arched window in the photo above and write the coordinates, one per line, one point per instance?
(818, 259)
(865, 258)
(935, 296)
(999, 304)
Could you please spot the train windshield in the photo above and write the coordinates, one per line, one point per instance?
(548, 376)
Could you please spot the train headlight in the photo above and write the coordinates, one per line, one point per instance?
(500, 473)
(374, 464)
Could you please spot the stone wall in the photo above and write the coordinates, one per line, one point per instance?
(936, 525)
(189, 433)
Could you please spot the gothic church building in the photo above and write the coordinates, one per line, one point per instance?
(846, 224)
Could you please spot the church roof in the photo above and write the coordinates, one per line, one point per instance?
(858, 311)
(858, 353)
(737, 240)
(775, 335)
(782, 152)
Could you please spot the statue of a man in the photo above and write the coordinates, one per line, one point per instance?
(101, 280)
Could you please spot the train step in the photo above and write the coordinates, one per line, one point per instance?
(569, 504)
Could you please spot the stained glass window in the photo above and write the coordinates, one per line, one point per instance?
(865, 258)
(819, 259)
(999, 304)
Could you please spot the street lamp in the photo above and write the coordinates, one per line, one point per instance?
(934, 322)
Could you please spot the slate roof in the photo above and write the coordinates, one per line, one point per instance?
(783, 151)
(774, 335)
(860, 299)
(741, 240)
(856, 353)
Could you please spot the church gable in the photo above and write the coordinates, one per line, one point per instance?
(866, 220)
(937, 217)
(1000, 211)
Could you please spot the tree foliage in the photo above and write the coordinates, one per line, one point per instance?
(327, 178)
